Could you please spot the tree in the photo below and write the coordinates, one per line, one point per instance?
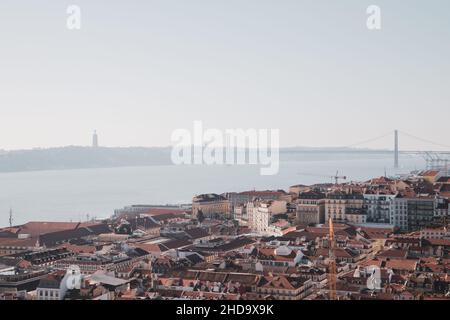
(200, 216)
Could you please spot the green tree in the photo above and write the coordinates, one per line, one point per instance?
(200, 216)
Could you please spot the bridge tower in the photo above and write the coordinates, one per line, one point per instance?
(396, 149)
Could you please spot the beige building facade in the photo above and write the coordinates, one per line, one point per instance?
(212, 205)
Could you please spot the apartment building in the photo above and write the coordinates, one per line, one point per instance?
(310, 207)
(342, 206)
(378, 206)
(421, 212)
(212, 205)
(398, 212)
(260, 213)
(283, 287)
(435, 233)
(239, 198)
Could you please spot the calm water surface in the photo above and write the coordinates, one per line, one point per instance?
(72, 194)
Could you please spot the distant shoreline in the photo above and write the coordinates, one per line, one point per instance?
(73, 158)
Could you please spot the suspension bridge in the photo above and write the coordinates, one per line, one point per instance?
(436, 155)
(435, 159)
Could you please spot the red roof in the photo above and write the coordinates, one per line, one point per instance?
(269, 254)
(393, 254)
(79, 249)
(151, 247)
(35, 228)
(161, 211)
(14, 242)
(404, 264)
(439, 242)
(430, 173)
(277, 282)
(262, 193)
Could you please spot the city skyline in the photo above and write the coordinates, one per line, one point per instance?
(138, 71)
(432, 146)
(224, 158)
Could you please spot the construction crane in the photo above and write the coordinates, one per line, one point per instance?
(336, 177)
(332, 262)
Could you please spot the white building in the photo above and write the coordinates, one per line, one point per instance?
(442, 208)
(260, 213)
(398, 213)
(439, 233)
(378, 207)
(51, 288)
(240, 214)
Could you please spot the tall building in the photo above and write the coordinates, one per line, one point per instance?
(398, 212)
(95, 140)
(345, 207)
(421, 212)
(311, 207)
(378, 206)
(261, 212)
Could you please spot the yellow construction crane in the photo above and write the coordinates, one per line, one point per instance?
(332, 262)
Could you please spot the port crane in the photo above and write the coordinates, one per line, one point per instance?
(336, 177)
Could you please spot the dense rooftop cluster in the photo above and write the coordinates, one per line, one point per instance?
(390, 242)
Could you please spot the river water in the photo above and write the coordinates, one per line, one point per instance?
(71, 195)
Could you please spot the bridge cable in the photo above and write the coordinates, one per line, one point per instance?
(369, 140)
(425, 140)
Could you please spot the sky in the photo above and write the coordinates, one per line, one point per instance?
(140, 69)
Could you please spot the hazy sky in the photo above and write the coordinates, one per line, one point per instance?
(138, 69)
